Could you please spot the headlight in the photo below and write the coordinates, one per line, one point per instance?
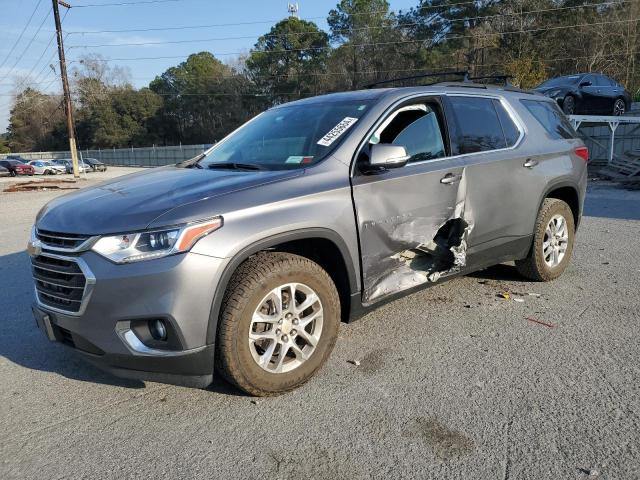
(553, 93)
(137, 246)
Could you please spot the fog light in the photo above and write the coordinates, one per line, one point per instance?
(157, 329)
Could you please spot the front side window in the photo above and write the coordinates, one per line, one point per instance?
(415, 127)
(288, 137)
(551, 118)
(478, 124)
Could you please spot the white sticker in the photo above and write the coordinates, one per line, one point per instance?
(294, 159)
(336, 131)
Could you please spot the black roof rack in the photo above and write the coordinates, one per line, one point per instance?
(499, 77)
(461, 73)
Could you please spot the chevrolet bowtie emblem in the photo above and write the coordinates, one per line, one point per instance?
(34, 248)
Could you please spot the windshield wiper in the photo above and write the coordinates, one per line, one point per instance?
(192, 162)
(236, 166)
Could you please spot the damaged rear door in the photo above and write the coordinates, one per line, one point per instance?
(411, 220)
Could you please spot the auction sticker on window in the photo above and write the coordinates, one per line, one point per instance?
(336, 131)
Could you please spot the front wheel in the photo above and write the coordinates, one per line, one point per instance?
(279, 322)
(552, 242)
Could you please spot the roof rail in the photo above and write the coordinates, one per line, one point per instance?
(461, 73)
(499, 77)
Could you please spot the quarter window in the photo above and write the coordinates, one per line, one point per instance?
(480, 128)
(551, 118)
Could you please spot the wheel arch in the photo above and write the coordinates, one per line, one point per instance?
(322, 245)
(568, 193)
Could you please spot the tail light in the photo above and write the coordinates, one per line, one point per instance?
(583, 153)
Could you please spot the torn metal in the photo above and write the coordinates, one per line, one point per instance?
(416, 250)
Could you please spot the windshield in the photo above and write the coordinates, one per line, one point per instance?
(287, 137)
(559, 81)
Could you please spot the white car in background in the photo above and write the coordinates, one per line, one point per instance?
(67, 163)
(42, 167)
(57, 168)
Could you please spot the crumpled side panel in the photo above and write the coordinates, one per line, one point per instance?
(409, 251)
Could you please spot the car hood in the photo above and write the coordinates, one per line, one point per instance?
(132, 202)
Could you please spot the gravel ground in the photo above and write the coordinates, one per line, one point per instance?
(453, 382)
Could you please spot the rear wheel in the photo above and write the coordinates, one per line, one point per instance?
(619, 107)
(569, 105)
(13, 173)
(552, 242)
(279, 322)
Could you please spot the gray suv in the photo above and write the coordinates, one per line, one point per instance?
(244, 260)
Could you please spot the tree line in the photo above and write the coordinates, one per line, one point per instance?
(202, 99)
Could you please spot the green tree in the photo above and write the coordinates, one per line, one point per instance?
(369, 44)
(287, 62)
(204, 100)
(32, 121)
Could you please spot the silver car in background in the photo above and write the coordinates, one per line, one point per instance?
(244, 260)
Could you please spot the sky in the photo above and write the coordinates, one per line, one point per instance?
(228, 28)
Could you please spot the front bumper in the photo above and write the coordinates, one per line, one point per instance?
(178, 289)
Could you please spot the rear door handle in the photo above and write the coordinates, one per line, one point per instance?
(530, 163)
(450, 179)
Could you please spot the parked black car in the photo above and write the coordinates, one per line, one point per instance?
(587, 93)
(96, 165)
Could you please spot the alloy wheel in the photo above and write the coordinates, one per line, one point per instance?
(569, 105)
(286, 327)
(618, 108)
(556, 241)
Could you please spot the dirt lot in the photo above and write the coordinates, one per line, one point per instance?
(453, 382)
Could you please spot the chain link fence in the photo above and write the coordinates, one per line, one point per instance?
(127, 157)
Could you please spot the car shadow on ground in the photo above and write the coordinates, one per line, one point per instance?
(22, 343)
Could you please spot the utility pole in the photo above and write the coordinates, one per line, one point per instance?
(65, 87)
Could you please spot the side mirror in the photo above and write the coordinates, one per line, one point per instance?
(383, 156)
(585, 84)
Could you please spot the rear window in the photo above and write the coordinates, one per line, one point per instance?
(479, 127)
(551, 118)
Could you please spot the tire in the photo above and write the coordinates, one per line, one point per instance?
(13, 173)
(619, 107)
(535, 266)
(250, 286)
(569, 105)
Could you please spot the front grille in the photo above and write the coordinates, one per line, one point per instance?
(60, 283)
(68, 241)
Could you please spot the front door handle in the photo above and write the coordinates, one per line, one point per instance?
(450, 179)
(530, 163)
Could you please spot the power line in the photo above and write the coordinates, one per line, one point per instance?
(396, 42)
(353, 14)
(325, 74)
(27, 47)
(270, 35)
(15, 44)
(26, 78)
(125, 4)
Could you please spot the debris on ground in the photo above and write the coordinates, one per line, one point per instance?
(42, 185)
(519, 300)
(505, 295)
(550, 325)
(354, 362)
(537, 295)
(255, 402)
(589, 471)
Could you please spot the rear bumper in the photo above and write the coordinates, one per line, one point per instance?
(110, 331)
